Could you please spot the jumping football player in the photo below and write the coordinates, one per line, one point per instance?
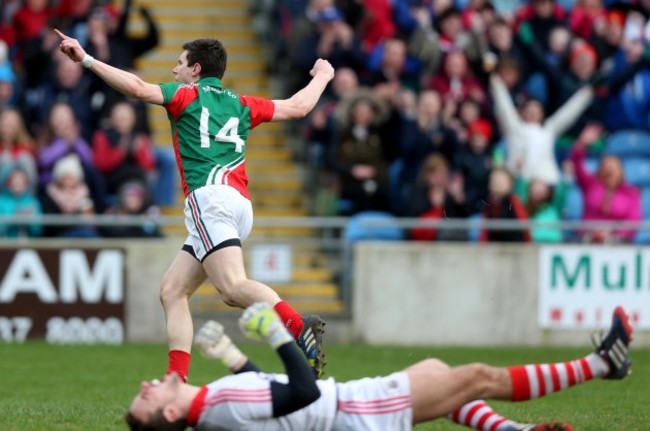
(210, 125)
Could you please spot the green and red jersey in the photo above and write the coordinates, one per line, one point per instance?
(210, 126)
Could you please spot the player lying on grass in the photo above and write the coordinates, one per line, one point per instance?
(423, 392)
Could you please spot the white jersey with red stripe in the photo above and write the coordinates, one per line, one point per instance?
(243, 402)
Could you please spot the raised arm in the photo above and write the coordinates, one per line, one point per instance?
(588, 136)
(124, 82)
(505, 110)
(301, 103)
(563, 118)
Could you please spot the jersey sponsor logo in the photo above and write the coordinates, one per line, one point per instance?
(210, 89)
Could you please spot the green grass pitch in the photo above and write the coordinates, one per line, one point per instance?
(49, 388)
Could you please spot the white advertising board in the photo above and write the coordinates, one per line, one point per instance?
(579, 286)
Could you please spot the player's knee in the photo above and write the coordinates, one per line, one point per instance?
(483, 378)
(230, 289)
(171, 290)
(435, 364)
(228, 298)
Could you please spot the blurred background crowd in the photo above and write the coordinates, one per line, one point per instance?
(458, 109)
(69, 144)
(502, 109)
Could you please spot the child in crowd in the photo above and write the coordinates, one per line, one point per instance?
(474, 163)
(133, 200)
(68, 194)
(17, 198)
(503, 204)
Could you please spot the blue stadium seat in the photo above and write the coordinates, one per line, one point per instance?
(629, 144)
(357, 228)
(573, 206)
(591, 164)
(645, 202)
(573, 210)
(395, 183)
(637, 171)
(643, 236)
(474, 231)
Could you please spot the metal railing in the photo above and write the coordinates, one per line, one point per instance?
(332, 222)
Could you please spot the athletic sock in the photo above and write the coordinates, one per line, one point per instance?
(179, 363)
(291, 318)
(479, 416)
(534, 381)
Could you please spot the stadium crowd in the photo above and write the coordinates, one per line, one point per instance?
(501, 109)
(69, 144)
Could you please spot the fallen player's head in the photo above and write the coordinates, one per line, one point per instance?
(155, 407)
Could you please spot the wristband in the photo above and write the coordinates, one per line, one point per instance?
(87, 61)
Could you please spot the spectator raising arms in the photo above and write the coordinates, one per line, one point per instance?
(606, 194)
(530, 138)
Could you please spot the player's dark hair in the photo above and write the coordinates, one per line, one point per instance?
(157, 423)
(210, 54)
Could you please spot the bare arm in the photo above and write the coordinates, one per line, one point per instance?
(124, 82)
(301, 103)
(505, 110)
(563, 118)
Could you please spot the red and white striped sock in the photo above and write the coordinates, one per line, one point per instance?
(534, 381)
(479, 416)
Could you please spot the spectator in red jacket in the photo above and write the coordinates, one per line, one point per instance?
(455, 80)
(121, 153)
(585, 16)
(31, 19)
(378, 24)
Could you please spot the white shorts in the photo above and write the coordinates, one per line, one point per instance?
(216, 216)
(374, 404)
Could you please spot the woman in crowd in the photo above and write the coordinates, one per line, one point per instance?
(16, 145)
(606, 194)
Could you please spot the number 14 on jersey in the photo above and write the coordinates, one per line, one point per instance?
(228, 133)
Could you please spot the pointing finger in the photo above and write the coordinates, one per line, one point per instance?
(61, 35)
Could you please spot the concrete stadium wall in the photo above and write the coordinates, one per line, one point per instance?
(403, 293)
(452, 294)
(147, 262)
